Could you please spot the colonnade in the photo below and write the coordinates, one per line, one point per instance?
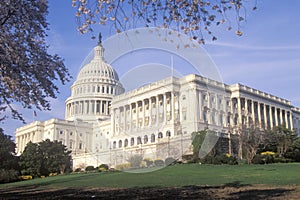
(248, 111)
(93, 107)
(159, 109)
(23, 139)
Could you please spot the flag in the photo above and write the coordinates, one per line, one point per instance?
(34, 113)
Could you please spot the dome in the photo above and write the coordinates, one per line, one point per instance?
(92, 92)
(97, 68)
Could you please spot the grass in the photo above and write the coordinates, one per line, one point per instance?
(176, 176)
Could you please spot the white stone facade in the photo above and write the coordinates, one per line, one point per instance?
(105, 125)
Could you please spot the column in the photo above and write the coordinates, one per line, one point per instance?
(246, 113)
(286, 119)
(271, 116)
(253, 112)
(208, 100)
(291, 120)
(150, 111)
(200, 106)
(196, 111)
(173, 107)
(276, 116)
(95, 107)
(106, 109)
(125, 122)
(265, 115)
(280, 115)
(157, 109)
(239, 111)
(100, 107)
(259, 114)
(165, 108)
(143, 112)
(130, 116)
(90, 107)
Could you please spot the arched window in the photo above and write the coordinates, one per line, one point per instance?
(145, 139)
(168, 133)
(126, 143)
(153, 138)
(114, 144)
(120, 143)
(139, 140)
(132, 142)
(160, 135)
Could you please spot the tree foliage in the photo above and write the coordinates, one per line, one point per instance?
(197, 140)
(31, 161)
(193, 17)
(44, 158)
(27, 71)
(251, 140)
(284, 139)
(7, 152)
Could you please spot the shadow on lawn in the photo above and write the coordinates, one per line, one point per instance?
(228, 191)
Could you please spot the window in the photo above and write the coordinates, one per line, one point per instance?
(145, 139)
(139, 140)
(80, 145)
(168, 133)
(160, 135)
(131, 141)
(126, 143)
(152, 138)
(120, 143)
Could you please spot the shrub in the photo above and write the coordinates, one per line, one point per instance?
(148, 162)
(258, 159)
(104, 166)
(124, 166)
(159, 163)
(9, 175)
(215, 160)
(90, 168)
(53, 174)
(78, 170)
(25, 177)
(170, 161)
(135, 160)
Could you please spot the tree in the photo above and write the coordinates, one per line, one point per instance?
(197, 140)
(135, 160)
(44, 158)
(28, 74)
(204, 142)
(251, 140)
(193, 17)
(56, 156)
(31, 161)
(282, 138)
(285, 138)
(7, 152)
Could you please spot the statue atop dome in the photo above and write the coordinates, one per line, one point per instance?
(99, 39)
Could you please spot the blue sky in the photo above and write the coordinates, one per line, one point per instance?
(266, 57)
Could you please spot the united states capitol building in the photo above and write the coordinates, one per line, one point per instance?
(105, 124)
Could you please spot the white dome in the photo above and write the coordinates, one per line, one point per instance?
(98, 68)
(93, 90)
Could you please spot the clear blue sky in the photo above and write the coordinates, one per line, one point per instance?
(266, 57)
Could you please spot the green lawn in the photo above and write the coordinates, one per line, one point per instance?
(178, 175)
